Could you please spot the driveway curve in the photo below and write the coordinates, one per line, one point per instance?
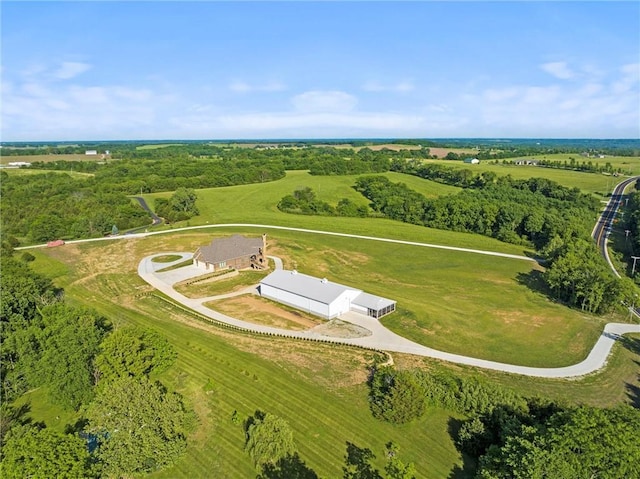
(381, 338)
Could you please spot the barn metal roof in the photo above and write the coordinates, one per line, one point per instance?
(321, 290)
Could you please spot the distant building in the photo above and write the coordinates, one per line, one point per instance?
(526, 162)
(322, 297)
(91, 152)
(17, 164)
(237, 252)
(472, 161)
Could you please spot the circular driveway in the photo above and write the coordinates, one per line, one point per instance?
(381, 338)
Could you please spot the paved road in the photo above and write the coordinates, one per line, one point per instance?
(301, 230)
(156, 220)
(381, 338)
(603, 227)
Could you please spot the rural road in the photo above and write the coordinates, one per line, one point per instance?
(602, 228)
(381, 338)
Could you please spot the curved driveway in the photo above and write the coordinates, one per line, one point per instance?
(381, 338)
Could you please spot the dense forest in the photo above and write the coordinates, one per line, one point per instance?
(509, 436)
(85, 365)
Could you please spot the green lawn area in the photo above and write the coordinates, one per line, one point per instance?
(320, 389)
(213, 286)
(155, 146)
(257, 204)
(595, 183)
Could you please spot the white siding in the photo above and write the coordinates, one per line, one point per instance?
(305, 304)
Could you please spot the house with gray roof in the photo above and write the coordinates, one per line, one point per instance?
(322, 297)
(233, 252)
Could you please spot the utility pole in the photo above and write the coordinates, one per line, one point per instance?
(633, 270)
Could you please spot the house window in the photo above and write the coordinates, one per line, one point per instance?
(222, 264)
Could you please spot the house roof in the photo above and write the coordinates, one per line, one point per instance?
(225, 249)
(321, 290)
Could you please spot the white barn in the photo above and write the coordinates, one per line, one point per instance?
(322, 297)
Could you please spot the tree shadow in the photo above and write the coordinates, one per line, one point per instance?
(13, 416)
(77, 427)
(534, 280)
(468, 468)
(633, 392)
(289, 467)
(357, 463)
(632, 344)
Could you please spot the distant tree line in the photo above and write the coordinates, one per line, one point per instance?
(133, 423)
(167, 174)
(511, 436)
(529, 211)
(484, 147)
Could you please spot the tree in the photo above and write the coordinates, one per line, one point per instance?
(395, 468)
(133, 352)
(184, 200)
(269, 439)
(578, 443)
(358, 463)
(396, 396)
(43, 453)
(139, 425)
(68, 342)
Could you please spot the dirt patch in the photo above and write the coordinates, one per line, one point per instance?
(257, 310)
(337, 328)
(509, 317)
(442, 152)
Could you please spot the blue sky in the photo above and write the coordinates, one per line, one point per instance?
(242, 70)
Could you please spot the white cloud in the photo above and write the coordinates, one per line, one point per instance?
(70, 70)
(629, 78)
(244, 87)
(558, 69)
(400, 87)
(324, 101)
(590, 109)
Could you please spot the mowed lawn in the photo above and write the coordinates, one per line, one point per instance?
(319, 389)
(460, 302)
(596, 183)
(257, 204)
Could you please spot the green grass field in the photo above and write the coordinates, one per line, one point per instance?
(595, 183)
(257, 204)
(23, 172)
(464, 303)
(320, 389)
